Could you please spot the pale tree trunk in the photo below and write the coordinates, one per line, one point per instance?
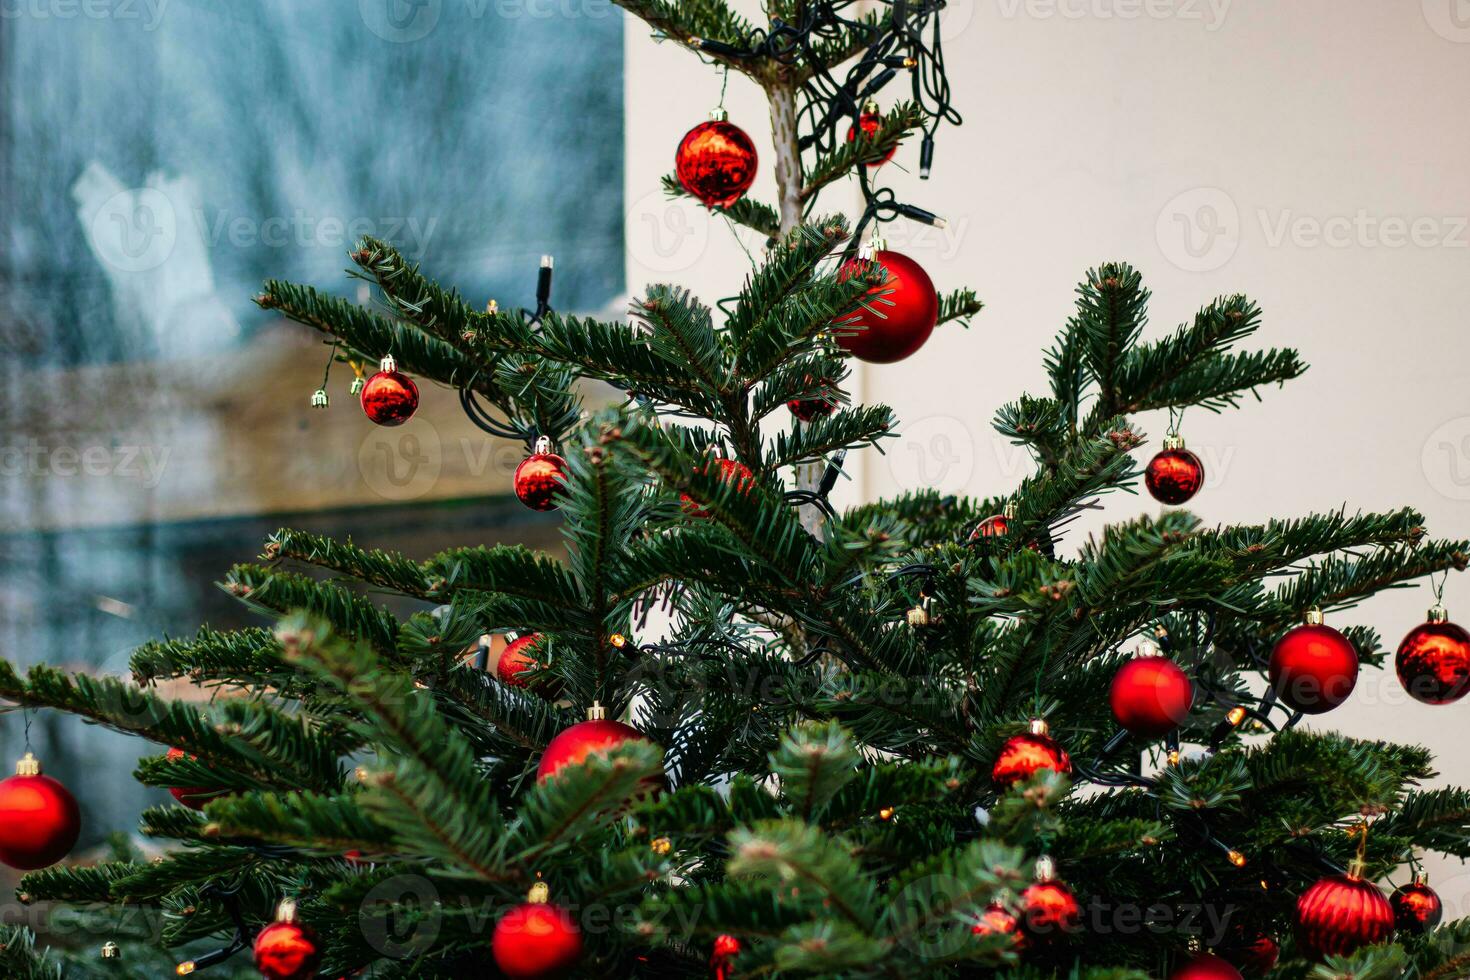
(782, 97)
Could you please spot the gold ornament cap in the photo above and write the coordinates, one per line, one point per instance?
(1040, 727)
(543, 446)
(319, 398)
(597, 712)
(718, 114)
(387, 363)
(1421, 877)
(1009, 510)
(1312, 617)
(1147, 648)
(111, 952)
(1173, 440)
(539, 894)
(871, 107)
(1438, 614)
(28, 765)
(286, 910)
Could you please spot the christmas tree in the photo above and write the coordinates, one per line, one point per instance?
(741, 733)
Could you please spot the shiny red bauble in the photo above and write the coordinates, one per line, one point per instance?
(904, 309)
(870, 123)
(1022, 756)
(516, 659)
(1433, 661)
(716, 163)
(541, 478)
(389, 397)
(1416, 908)
(193, 797)
(1313, 668)
(1205, 966)
(39, 818)
(1174, 475)
(1151, 696)
(995, 526)
(811, 409)
(1048, 909)
(536, 939)
(595, 736)
(996, 920)
(729, 471)
(722, 956)
(1340, 914)
(286, 951)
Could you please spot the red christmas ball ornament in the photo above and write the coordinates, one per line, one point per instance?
(541, 477)
(811, 409)
(1342, 913)
(39, 818)
(516, 658)
(1048, 907)
(193, 797)
(730, 471)
(536, 939)
(1022, 756)
(1255, 954)
(1175, 474)
(995, 526)
(716, 161)
(389, 397)
(1416, 907)
(595, 736)
(1205, 966)
(1433, 661)
(286, 949)
(1313, 667)
(1150, 695)
(722, 957)
(870, 123)
(904, 309)
(997, 920)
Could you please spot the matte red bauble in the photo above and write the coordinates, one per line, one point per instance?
(1151, 696)
(1205, 966)
(729, 471)
(1255, 956)
(595, 736)
(1175, 474)
(1022, 756)
(193, 797)
(541, 477)
(722, 957)
(904, 309)
(996, 920)
(870, 123)
(1313, 667)
(39, 818)
(1416, 907)
(1433, 661)
(516, 659)
(1340, 914)
(286, 949)
(389, 397)
(716, 162)
(536, 939)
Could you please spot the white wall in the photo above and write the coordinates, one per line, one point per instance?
(1312, 154)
